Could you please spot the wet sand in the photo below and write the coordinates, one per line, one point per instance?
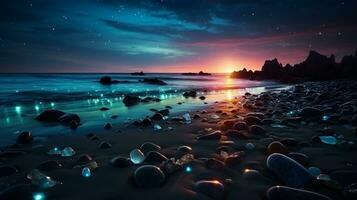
(223, 158)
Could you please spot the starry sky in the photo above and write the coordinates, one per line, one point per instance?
(170, 35)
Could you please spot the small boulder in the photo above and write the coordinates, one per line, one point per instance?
(149, 176)
(130, 100)
(120, 162)
(283, 193)
(50, 115)
(25, 138)
(149, 146)
(215, 135)
(211, 188)
(257, 130)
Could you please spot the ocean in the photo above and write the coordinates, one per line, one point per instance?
(24, 96)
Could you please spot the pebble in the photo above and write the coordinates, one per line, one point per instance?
(300, 158)
(257, 130)
(149, 176)
(108, 126)
(290, 142)
(314, 171)
(252, 120)
(310, 113)
(25, 138)
(149, 146)
(136, 156)
(184, 149)
(276, 147)
(288, 170)
(104, 109)
(215, 135)
(211, 188)
(157, 116)
(239, 126)
(249, 146)
(284, 193)
(120, 162)
(105, 145)
(155, 157)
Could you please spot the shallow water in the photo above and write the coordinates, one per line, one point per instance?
(23, 96)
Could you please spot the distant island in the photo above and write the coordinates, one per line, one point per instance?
(316, 67)
(138, 73)
(201, 73)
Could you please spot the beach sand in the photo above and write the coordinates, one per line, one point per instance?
(276, 116)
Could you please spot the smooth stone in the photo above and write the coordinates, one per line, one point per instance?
(73, 124)
(215, 135)
(105, 145)
(227, 124)
(257, 130)
(50, 115)
(251, 174)
(235, 133)
(202, 98)
(288, 170)
(284, 193)
(49, 165)
(120, 162)
(85, 158)
(149, 176)
(25, 138)
(213, 163)
(211, 188)
(149, 146)
(291, 142)
(276, 147)
(300, 158)
(157, 116)
(314, 171)
(164, 112)
(130, 100)
(196, 116)
(239, 126)
(184, 149)
(104, 109)
(252, 120)
(108, 126)
(68, 118)
(7, 170)
(249, 146)
(155, 157)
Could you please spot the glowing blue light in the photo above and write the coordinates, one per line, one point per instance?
(188, 169)
(39, 196)
(325, 118)
(18, 109)
(37, 108)
(86, 172)
(52, 104)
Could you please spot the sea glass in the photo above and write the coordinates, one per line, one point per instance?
(136, 156)
(40, 179)
(187, 118)
(157, 127)
(328, 140)
(67, 152)
(86, 172)
(54, 151)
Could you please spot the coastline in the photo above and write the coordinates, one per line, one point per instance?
(297, 133)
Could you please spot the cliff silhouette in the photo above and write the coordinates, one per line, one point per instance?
(315, 67)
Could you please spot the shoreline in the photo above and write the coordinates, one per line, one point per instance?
(224, 157)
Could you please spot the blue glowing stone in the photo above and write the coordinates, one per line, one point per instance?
(39, 196)
(86, 172)
(328, 140)
(188, 169)
(325, 118)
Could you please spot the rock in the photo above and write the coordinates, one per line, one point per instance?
(143, 123)
(251, 174)
(7, 170)
(283, 193)
(239, 126)
(213, 163)
(106, 80)
(310, 113)
(149, 176)
(49, 165)
(120, 162)
(104, 109)
(25, 138)
(154, 81)
(288, 170)
(68, 117)
(108, 126)
(202, 98)
(150, 99)
(164, 112)
(234, 159)
(276, 147)
(130, 100)
(211, 188)
(137, 156)
(196, 116)
(227, 124)
(252, 120)
(300, 158)
(105, 145)
(257, 130)
(157, 116)
(290, 142)
(215, 135)
(73, 124)
(85, 158)
(190, 94)
(155, 157)
(149, 146)
(50, 115)
(184, 149)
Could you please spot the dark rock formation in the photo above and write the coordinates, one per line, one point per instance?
(201, 73)
(141, 73)
(153, 81)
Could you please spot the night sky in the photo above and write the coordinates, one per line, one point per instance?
(170, 35)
